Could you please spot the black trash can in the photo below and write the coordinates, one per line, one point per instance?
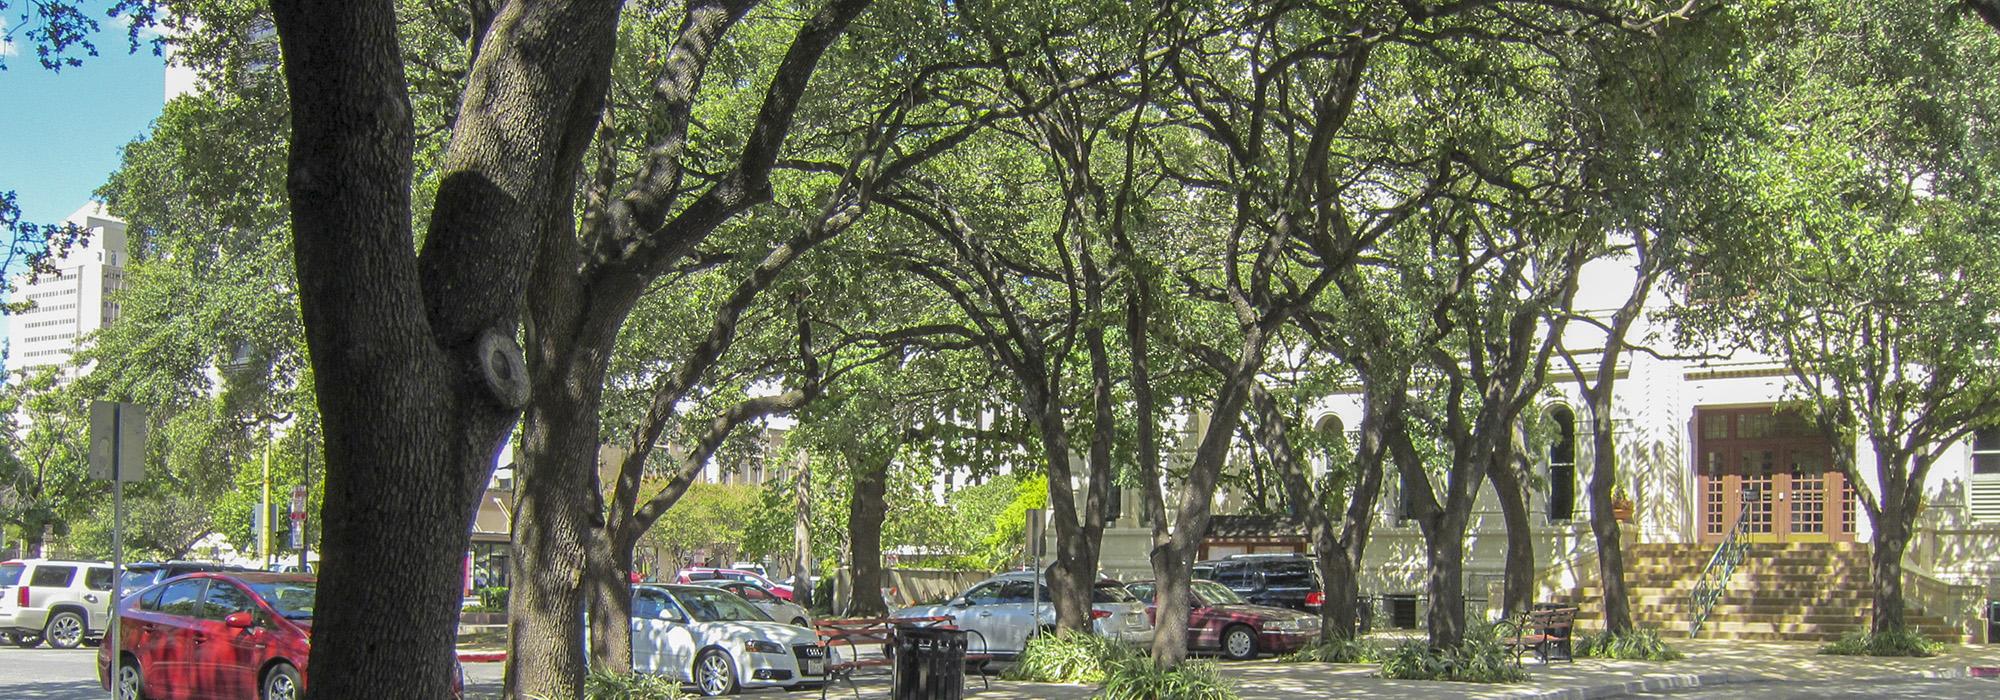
(930, 664)
(1364, 615)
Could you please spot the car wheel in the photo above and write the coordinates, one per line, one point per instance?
(714, 673)
(1239, 643)
(801, 622)
(64, 630)
(27, 640)
(131, 680)
(282, 683)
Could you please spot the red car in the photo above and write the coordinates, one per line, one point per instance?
(1220, 620)
(214, 635)
(220, 635)
(699, 574)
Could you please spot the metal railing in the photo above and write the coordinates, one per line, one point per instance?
(1722, 565)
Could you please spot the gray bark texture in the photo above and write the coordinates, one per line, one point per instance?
(413, 413)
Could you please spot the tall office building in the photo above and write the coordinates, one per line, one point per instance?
(71, 302)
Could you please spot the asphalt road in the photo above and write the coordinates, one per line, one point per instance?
(1936, 689)
(71, 674)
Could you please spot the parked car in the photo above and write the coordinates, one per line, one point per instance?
(65, 603)
(217, 635)
(146, 573)
(750, 566)
(1277, 580)
(697, 574)
(1220, 620)
(1002, 612)
(779, 609)
(719, 642)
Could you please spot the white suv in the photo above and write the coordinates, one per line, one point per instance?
(63, 602)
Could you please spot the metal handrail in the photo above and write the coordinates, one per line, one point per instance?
(1721, 566)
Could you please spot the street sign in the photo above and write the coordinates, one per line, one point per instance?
(117, 441)
(1036, 523)
(298, 535)
(298, 504)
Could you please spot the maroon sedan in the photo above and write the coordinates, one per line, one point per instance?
(1220, 620)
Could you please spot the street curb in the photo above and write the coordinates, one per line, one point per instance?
(481, 656)
(1644, 685)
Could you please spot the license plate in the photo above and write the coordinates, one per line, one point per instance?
(815, 667)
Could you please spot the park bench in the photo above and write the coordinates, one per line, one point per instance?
(1545, 631)
(843, 640)
(853, 634)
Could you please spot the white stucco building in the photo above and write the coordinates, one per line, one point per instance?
(1693, 435)
(72, 302)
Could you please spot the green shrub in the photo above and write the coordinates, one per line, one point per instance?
(607, 685)
(1134, 678)
(1900, 642)
(1636, 645)
(1071, 657)
(1480, 659)
(492, 598)
(1339, 651)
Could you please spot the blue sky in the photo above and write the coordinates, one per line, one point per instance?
(60, 131)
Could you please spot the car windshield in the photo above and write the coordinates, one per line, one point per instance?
(134, 580)
(1111, 593)
(713, 605)
(292, 599)
(10, 573)
(1215, 593)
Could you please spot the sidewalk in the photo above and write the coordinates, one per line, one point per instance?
(1708, 663)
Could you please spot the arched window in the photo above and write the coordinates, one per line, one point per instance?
(1562, 464)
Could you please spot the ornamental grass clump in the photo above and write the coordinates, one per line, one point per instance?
(1338, 651)
(607, 685)
(1900, 642)
(1633, 645)
(1135, 679)
(1481, 658)
(1071, 657)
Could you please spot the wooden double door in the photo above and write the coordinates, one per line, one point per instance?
(1775, 472)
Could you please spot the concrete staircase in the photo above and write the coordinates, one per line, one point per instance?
(1791, 592)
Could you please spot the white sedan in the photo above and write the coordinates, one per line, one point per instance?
(716, 641)
(778, 608)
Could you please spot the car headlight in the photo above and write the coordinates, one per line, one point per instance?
(1277, 624)
(759, 646)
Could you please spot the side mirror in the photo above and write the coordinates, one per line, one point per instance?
(959, 603)
(239, 620)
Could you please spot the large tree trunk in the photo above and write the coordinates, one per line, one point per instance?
(1520, 559)
(865, 513)
(556, 525)
(1603, 527)
(1444, 547)
(1197, 499)
(802, 583)
(1893, 519)
(1887, 567)
(413, 367)
(608, 587)
(1070, 577)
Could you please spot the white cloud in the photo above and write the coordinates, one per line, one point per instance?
(6, 44)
